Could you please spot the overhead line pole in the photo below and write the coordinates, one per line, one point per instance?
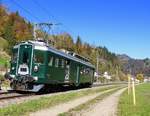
(40, 25)
(97, 66)
(46, 11)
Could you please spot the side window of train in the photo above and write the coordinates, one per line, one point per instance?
(62, 63)
(39, 57)
(67, 62)
(91, 72)
(56, 62)
(50, 63)
(87, 70)
(82, 71)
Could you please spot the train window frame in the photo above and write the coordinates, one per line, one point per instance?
(51, 59)
(56, 62)
(87, 71)
(62, 63)
(67, 62)
(82, 71)
(25, 57)
(39, 54)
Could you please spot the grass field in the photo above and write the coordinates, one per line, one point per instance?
(142, 107)
(2, 61)
(46, 102)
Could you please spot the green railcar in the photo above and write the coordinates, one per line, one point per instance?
(34, 65)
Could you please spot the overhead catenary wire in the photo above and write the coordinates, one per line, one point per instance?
(47, 12)
(25, 10)
(0, 2)
(49, 15)
(44, 10)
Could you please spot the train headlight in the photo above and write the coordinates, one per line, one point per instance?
(13, 68)
(35, 78)
(35, 68)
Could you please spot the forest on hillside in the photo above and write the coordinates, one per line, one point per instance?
(15, 29)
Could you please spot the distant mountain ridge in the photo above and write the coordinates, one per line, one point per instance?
(124, 57)
(135, 66)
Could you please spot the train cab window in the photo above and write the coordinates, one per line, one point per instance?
(50, 61)
(39, 57)
(25, 57)
(56, 62)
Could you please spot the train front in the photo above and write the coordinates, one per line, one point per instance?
(20, 73)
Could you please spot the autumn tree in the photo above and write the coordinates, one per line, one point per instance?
(140, 77)
(78, 45)
(14, 28)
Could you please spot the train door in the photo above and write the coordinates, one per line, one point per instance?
(24, 60)
(67, 71)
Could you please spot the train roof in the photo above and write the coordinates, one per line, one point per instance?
(43, 46)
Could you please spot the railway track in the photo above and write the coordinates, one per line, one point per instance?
(12, 94)
(105, 84)
(8, 96)
(11, 97)
(7, 92)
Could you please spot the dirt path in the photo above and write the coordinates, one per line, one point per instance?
(54, 111)
(106, 107)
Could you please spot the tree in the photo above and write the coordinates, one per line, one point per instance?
(3, 44)
(140, 77)
(14, 28)
(3, 19)
(63, 41)
(78, 46)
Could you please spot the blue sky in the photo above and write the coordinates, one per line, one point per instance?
(123, 26)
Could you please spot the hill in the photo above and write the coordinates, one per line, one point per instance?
(124, 58)
(135, 66)
(13, 27)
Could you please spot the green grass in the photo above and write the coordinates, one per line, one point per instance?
(88, 104)
(2, 61)
(46, 102)
(142, 108)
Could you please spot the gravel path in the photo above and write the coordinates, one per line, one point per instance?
(54, 111)
(106, 107)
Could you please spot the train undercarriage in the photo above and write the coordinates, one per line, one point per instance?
(27, 83)
(24, 83)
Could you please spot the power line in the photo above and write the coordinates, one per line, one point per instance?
(46, 11)
(35, 17)
(43, 8)
(0, 2)
(49, 13)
